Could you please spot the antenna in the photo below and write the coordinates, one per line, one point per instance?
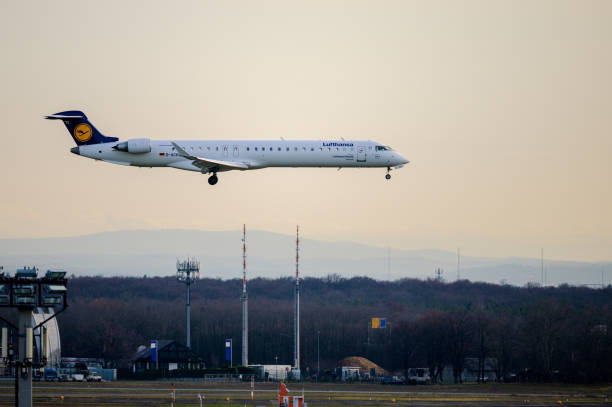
(297, 253)
(542, 266)
(458, 264)
(244, 281)
(389, 262)
(296, 321)
(188, 272)
(245, 304)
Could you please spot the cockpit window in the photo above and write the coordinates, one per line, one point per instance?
(383, 148)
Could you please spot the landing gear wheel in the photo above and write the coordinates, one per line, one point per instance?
(212, 180)
(388, 176)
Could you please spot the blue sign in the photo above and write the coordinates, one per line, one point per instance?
(383, 322)
(153, 351)
(228, 350)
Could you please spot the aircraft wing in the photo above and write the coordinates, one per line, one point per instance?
(208, 164)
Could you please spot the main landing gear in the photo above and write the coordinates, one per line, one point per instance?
(388, 176)
(212, 180)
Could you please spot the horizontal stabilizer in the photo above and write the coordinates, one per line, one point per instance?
(63, 117)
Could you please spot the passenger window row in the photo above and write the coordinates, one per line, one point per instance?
(208, 148)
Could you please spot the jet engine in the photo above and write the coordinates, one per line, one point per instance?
(135, 146)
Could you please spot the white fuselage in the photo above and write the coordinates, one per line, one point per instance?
(253, 154)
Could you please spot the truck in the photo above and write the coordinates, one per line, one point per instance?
(77, 377)
(418, 375)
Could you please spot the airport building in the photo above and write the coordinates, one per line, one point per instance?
(166, 355)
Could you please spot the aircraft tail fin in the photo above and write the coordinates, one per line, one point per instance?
(81, 130)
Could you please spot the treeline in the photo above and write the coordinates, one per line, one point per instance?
(561, 333)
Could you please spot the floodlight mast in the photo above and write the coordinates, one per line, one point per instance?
(188, 271)
(26, 291)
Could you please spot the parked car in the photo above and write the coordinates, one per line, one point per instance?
(50, 375)
(392, 380)
(94, 378)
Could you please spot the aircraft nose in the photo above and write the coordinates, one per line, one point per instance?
(402, 160)
(76, 150)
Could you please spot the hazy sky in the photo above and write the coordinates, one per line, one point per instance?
(503, 108)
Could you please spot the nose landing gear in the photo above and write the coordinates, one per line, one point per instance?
(388, 176)
(212, 180)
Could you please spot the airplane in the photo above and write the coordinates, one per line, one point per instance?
(213, 156)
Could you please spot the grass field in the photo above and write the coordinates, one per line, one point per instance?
(130, 393)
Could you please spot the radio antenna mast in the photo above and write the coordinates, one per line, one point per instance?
(188, 272)
(245, 304)
(296, 321)
(542, 265)
(458, 264)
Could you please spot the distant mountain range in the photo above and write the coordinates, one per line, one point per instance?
(154, 253)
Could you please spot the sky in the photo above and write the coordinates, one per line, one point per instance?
(502, 107)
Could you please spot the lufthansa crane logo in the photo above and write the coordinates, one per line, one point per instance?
(82, 132)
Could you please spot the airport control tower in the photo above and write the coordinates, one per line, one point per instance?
(245, 304)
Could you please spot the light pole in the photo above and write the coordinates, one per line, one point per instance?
(187, 271)
(276, 364)
(25, 291)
